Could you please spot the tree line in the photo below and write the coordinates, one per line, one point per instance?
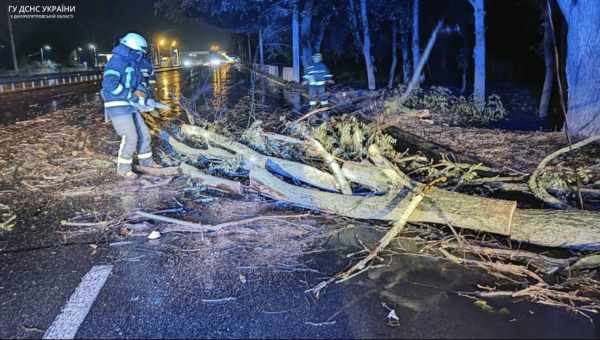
(295, 29)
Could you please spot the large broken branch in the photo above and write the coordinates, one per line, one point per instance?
(552, 228)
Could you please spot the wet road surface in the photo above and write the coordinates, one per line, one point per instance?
(183, 286)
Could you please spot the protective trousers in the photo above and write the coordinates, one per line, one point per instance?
(135, 136)
(316, 93)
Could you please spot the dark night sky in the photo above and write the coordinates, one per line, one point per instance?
(102, 22)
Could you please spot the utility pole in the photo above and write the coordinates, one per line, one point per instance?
(12, 44)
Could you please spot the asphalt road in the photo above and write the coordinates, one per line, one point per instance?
(155, 292)
(187, 286)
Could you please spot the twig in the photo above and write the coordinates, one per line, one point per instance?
(197, 227)
(535, 186)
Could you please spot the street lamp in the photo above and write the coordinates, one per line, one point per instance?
(93, 48)
(42, 49)
(78, 54)
(174, 51)
(161, 42)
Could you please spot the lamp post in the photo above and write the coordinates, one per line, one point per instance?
(160, 43)
(93, 48)
(174, 51)
(78, 54)
(42, 49)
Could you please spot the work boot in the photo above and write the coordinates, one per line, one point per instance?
(125, 171)
(148, 163)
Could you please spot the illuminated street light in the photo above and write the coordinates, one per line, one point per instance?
(174, 43)
(42, 49)
(93, 48)
(78, 54)
(160, 43)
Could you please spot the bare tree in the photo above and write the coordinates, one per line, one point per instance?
(479, 53)
(549, 63)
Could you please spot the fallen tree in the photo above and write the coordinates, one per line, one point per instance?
(552, 228)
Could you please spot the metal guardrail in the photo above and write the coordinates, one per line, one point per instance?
(38, 81)
(47, 80)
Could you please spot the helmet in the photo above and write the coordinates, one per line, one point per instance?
(317, 57)
(135, 42)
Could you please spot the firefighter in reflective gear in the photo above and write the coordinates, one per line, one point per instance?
(317, 75)
(123, 91)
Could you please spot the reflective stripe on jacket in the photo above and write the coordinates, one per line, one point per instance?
(317, 74)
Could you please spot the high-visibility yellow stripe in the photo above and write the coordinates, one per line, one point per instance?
(120, 159)
(145, 155)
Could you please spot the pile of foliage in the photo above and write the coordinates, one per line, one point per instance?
(447, 107)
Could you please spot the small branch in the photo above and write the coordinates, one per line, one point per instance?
(197, 227)
(541, 192)
(341, 180)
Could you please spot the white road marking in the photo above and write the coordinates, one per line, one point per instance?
(67, 323)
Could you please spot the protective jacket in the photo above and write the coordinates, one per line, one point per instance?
(317, 74)
(122, 77)
(148, 75)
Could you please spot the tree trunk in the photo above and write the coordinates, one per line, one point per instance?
(250, 61)
(367, 45)
(321, 34)
(405, 42)
(296, 42)
(394, 54)
(416, 35)
(261, 56)
(354, 25)
(549, 76)
(466, 62)
(583, 66)
(479, 54)
(13, 48)
(552, 228)
(305, 30)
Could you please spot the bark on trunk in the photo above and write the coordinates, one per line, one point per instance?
(296, 42)
(416, 35)
(549, 75)
(354, 25)
(394, 54)
(321, 34)
(261, 56)
(479, 53)
(305, 30)
(367, 45)
(583, 66)
(13, 49)
(466, 62)
(405, 42)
